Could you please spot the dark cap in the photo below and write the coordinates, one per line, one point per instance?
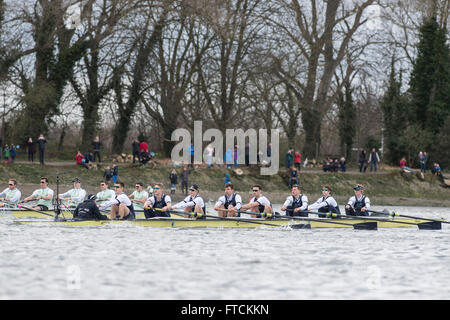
(194, 186)
(92, 197)
(358, 187)
(76, 180)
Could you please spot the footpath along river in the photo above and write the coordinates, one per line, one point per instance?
(125, 262)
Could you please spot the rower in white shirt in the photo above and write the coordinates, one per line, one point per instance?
(296, 204)
(10, 195)
(74, 196)
(192, 203)
(105, 194)
(359, 204)
(159, 201)
(258, 203)
(229, 205)
(326, 203)
(120, 205)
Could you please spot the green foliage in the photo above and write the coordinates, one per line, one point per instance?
(430, 78)
(395, 109)
(441, 145)
(371, 142)
(413, 140)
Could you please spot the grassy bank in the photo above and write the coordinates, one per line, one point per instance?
(388, 188)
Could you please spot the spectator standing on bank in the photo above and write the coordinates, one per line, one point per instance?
(173, 181)
(185, 180)
(190, 150)
(423, 158)
(373, 160)
(247, 154)
(289, 157)
(343, 164)
(236, 155)
(362, 161)
(229, 158)
(269, 154)
(41, 143)
(297, 159)
(31, 150)
(96, 144)
(115, 173)
(209, 155)
(136, 153)
(12, 152)
(143, 147)
(6, 153)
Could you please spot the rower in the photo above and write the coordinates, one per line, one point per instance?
(359, 204)
(88, 210)
(326, 203)
(258, 203)
(229, 205)
(139, 196)
(74, 196)
(10, 195)
(105, 194)
(120, 205)
(159, 200)
(44, 196)
(192, 203)
(296, 204)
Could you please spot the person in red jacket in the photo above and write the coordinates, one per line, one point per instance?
(297, 159)
(143, 147)
(79, 158)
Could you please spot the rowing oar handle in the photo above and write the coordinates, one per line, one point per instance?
(9, 203)
(38, 211)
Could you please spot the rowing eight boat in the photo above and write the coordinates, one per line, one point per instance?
(235, 223)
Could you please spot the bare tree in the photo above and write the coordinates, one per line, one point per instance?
(321, 34)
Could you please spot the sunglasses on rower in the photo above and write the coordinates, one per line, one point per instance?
(117, 186)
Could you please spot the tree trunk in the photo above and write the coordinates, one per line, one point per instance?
(312, 122)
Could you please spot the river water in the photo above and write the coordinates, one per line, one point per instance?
(127, 262)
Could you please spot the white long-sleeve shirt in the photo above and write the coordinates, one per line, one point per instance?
(118, 199)
(76, 196)
(223, 199)
(352, 201)
(290, 200)
(12, 196)
(323, 202)
(190, 202)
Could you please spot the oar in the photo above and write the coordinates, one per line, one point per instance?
(356, 226)
(199, 215)
(395, 214)
(19, 205)
(436, 225)
(9, 204)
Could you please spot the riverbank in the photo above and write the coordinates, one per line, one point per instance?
(384, 188)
